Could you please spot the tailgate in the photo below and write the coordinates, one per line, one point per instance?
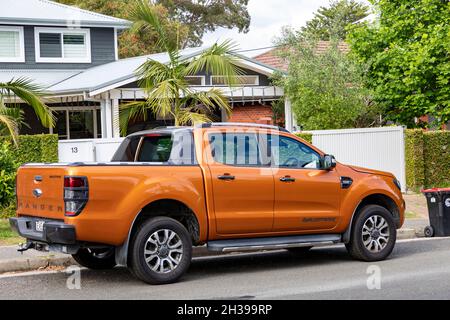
(40, 191)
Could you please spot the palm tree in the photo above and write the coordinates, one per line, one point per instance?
(168, 93)
(11, 117)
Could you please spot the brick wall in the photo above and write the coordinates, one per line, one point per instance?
(249, 113)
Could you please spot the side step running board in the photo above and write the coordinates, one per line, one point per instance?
(273, 243)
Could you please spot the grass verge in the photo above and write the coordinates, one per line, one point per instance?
(7, 236)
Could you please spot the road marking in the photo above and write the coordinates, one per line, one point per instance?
(422, 239)
(33, 273)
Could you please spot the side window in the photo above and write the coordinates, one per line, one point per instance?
(235, 149)
(155, 149)
(289, 153)
(127, 150)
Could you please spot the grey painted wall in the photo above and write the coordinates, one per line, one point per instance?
(264, 81)
(102, 51)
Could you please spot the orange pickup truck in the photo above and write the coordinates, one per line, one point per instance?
(230, 186)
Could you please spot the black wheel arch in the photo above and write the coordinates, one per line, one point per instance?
(167, 208)
(373, 199)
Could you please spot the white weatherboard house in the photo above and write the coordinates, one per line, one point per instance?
(73, 53)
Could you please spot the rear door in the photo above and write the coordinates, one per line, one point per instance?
(40, 191)
(243, 189)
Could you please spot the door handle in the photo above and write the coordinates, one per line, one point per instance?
(227, 177)
(287, 179)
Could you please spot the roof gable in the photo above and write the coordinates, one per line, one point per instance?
(45, 12)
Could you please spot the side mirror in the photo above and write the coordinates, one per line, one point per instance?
(328, 162)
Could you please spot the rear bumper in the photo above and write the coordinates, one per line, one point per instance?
(53, 232)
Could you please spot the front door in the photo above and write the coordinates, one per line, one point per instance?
(306, 197)
(243, 189)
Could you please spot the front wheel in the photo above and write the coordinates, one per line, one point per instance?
(373, 234)
(161, 251)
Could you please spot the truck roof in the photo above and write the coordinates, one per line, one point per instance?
(170, 130)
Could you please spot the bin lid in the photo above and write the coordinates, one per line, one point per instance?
(436, 190)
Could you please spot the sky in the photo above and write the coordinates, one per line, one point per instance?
(268, 18)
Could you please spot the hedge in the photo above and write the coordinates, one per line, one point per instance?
(305, 136)
(415, 173)
(37, 148)
(427, 159)
(437, 159)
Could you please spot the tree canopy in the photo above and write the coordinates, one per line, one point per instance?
(168, 93)
(326, 89)
(185, 21)
(332, 21)
(407, 53)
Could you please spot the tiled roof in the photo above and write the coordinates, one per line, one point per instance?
(273, 59)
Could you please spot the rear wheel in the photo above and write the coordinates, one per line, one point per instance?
(97, 259)
(373, 234)
(161, 251)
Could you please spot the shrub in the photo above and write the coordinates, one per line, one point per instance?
(8, 168)
(415, 170)
(427, 159)
(437, 159)
(305, 136)
(38, 148)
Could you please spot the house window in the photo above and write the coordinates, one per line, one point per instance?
(77, 123)
(12, 44)
(63, 45)
(196, 80)
(242, 80)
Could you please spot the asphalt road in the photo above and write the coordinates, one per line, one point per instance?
(418, 269)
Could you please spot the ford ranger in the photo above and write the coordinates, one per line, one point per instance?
(231, 187)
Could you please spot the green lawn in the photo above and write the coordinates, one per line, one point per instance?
(7, 236)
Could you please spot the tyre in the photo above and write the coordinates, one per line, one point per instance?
(299, 250)
(161, 251)
(373, 236)
(96, 259)
(429, 232)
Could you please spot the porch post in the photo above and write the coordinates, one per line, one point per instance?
(106, 113)
(289, 121)
(115, 118)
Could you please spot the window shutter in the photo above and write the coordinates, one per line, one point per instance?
(50, 45)
(74, 46)
(9, 44)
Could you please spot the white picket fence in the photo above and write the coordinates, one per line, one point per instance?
(374, 148)
(89, 150)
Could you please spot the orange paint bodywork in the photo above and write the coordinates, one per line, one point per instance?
(255, 204)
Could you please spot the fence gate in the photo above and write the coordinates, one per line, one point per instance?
(373, 148)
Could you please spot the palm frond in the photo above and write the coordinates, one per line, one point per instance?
(130, 111)
(187, 116)
(9, 122)
(218, 60)
(30, 93)
(210, 99)
(145, 18)
(151, 73)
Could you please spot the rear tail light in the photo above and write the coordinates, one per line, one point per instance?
(76, 195)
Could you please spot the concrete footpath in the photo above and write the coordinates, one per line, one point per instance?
(13, 261)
